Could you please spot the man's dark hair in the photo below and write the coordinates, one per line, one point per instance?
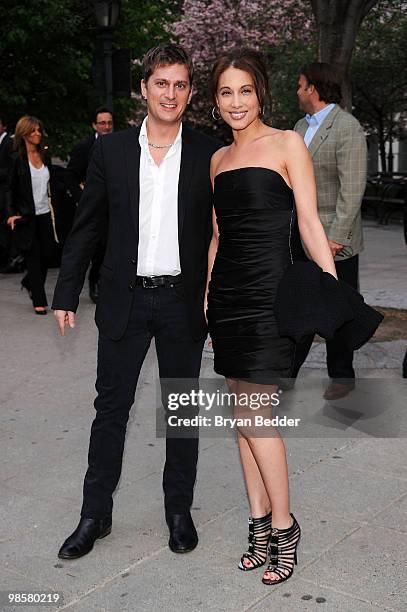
(326, 80)
(2, 120)
(101, 109)
(166, 54)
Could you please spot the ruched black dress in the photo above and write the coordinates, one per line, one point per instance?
(258, 240)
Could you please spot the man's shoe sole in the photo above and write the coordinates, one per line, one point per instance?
(182, 550)
(337, 395)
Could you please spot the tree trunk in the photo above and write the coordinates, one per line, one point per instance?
(338, 22)
(390, 156)
(382, 147)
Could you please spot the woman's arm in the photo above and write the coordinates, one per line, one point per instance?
(213, 245)
(301, 174)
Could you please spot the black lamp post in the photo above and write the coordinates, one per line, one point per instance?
(106, 15)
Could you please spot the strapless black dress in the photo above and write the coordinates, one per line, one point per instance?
(258, 240)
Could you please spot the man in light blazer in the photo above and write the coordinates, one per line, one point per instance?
(337, 145)
(152, 185)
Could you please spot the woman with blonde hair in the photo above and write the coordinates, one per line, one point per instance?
(28, 207)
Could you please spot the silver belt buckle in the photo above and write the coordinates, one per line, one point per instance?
(145, 283)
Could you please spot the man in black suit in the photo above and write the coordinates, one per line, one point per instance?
(76, 170)
(152, 182)
(5, 167)
(5, 152)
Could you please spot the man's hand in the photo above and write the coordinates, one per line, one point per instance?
(11, 221)
(64, 318)
(335, 247)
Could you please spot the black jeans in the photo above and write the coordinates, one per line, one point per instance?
(37, 259)
(339, 358)
(159, 313)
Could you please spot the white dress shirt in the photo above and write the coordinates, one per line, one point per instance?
(314, 121)
(158, 250)
(2, 137)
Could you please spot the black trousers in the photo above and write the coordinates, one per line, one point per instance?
(159, 313)
(339, 358)
(37, 259)
(4, 244)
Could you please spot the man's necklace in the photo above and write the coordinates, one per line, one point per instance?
(159, 146)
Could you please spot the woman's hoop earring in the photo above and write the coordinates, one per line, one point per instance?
(214, 110)
(262, 110)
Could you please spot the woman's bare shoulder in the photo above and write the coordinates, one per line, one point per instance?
(287, 140)
(286, 136)
(217, 157)
(292, 138)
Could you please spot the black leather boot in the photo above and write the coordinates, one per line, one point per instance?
(183, 536)
(81, 541)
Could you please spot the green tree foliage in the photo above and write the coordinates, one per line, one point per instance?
(45, 65)
(280, 30)
(285, 61)
(338, 23)
(379, 74)
(46, 54)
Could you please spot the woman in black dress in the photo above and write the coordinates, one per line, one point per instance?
(28, 207)
(264, 199)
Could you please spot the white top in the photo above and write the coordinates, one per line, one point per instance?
(39, 181)
(158, 250)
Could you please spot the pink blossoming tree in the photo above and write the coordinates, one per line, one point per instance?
(209, 28)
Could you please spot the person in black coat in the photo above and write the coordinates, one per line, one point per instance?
(152, 185)
(75, 179)
(5, 159)
(5, 165)
(28, 207)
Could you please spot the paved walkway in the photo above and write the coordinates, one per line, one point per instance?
(349, 494)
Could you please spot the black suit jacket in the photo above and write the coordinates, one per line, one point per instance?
(78, 165)
(20, 200)
(5, 159)
(112, 191)
(5, 167)
(310, 301)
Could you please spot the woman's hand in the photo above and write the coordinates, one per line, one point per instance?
(11, 221)
(206, 307)
(301, 174)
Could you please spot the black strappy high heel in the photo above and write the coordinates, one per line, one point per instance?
(259, 534)
(283, 552)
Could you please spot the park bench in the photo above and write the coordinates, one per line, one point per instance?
(386, 196)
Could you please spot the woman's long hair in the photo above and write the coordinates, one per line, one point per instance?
(24, 127)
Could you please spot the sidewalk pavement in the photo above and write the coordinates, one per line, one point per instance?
(348, 494)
